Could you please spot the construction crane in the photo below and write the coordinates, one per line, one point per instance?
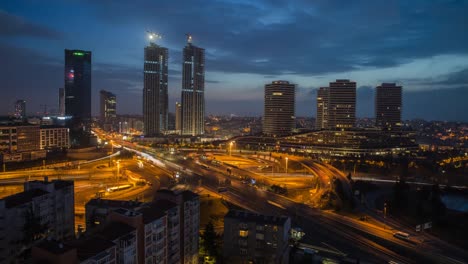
(153, 36)
(189, 37)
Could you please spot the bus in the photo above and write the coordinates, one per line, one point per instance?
(401, 235)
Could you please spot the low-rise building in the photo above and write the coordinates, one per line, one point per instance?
(254, 238)
(54, 137)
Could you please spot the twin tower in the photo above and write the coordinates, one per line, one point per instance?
(155, 90)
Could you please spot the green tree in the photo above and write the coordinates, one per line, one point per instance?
(209, 240)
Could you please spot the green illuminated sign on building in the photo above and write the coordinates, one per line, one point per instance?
(78, 53)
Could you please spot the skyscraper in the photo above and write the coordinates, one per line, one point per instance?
(321, 122)
(178, 117)
(388, 100)
(20, 109)
(155, 96)
(193, 90)
(108, 106)
(279, 114)
(61, 101)
(78, 84)
(342, 104)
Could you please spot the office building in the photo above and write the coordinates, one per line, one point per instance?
(189, 219)
(108, 103)
(20, 143)
(155, 94)
(61, 102)
(20, 109)
(279, 111)
(388, 101)
(78, 85)
(341, 105)
(178, 117)
(193, 90)
(321, 122)
(49, 205)
(254, 238)
(54, 137)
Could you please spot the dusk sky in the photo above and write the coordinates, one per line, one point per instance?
(421, 45)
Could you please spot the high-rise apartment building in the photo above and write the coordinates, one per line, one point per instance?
(108, 106)
(20, 109)
(321, 122)
(189, 219)
(193, 90)
(61, 101)
(44, 204)
(155, 94)
(178, 117)
(254, 238)
(341, 104)
(78, 84)
(279, 112)
(388, 101)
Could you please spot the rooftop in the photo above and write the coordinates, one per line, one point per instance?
(54, 247)
(23, 197)
(114, 203)
(156, 210)
(90, 247)
(114, 230)
(257, 218)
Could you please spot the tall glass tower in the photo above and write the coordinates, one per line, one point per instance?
(78, 84)
(155, 96)
(193, 90)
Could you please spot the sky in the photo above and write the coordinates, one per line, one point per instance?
(419, 44)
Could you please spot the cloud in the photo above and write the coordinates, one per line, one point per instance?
(15, 26)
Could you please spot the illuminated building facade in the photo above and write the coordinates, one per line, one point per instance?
(78, 84)
(388, 101)
(341, 104)
(178, 117)
(20, 109)
(321, 122)
(155, 94)
(279, 111)
(108, 104)
(193, 90)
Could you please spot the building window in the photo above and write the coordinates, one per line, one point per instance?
(260, 236)
(243, 233)
(243, 251)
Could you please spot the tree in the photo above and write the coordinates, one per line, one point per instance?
(209, 240)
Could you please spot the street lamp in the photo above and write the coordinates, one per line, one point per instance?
(287, 165)
(230, 147)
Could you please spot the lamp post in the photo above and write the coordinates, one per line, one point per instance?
(287, 165)
(230, 147)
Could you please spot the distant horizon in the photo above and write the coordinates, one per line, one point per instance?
(420, 46)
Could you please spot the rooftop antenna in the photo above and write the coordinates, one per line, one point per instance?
(189, 38)
(153, 36)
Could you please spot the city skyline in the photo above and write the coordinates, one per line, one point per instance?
(400, 51)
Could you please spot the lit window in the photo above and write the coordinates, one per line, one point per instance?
(243, 233)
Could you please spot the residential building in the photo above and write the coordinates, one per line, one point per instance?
(254, 238)
(388, 101)
(54, 137)
(189, 220)
(279, 109)
(341, 105)
(48, 205)
(155, 94)
(20, 109)
(193, 90)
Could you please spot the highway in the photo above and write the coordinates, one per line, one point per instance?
(355, 239)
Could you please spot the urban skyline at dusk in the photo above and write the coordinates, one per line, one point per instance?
(417, 45)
